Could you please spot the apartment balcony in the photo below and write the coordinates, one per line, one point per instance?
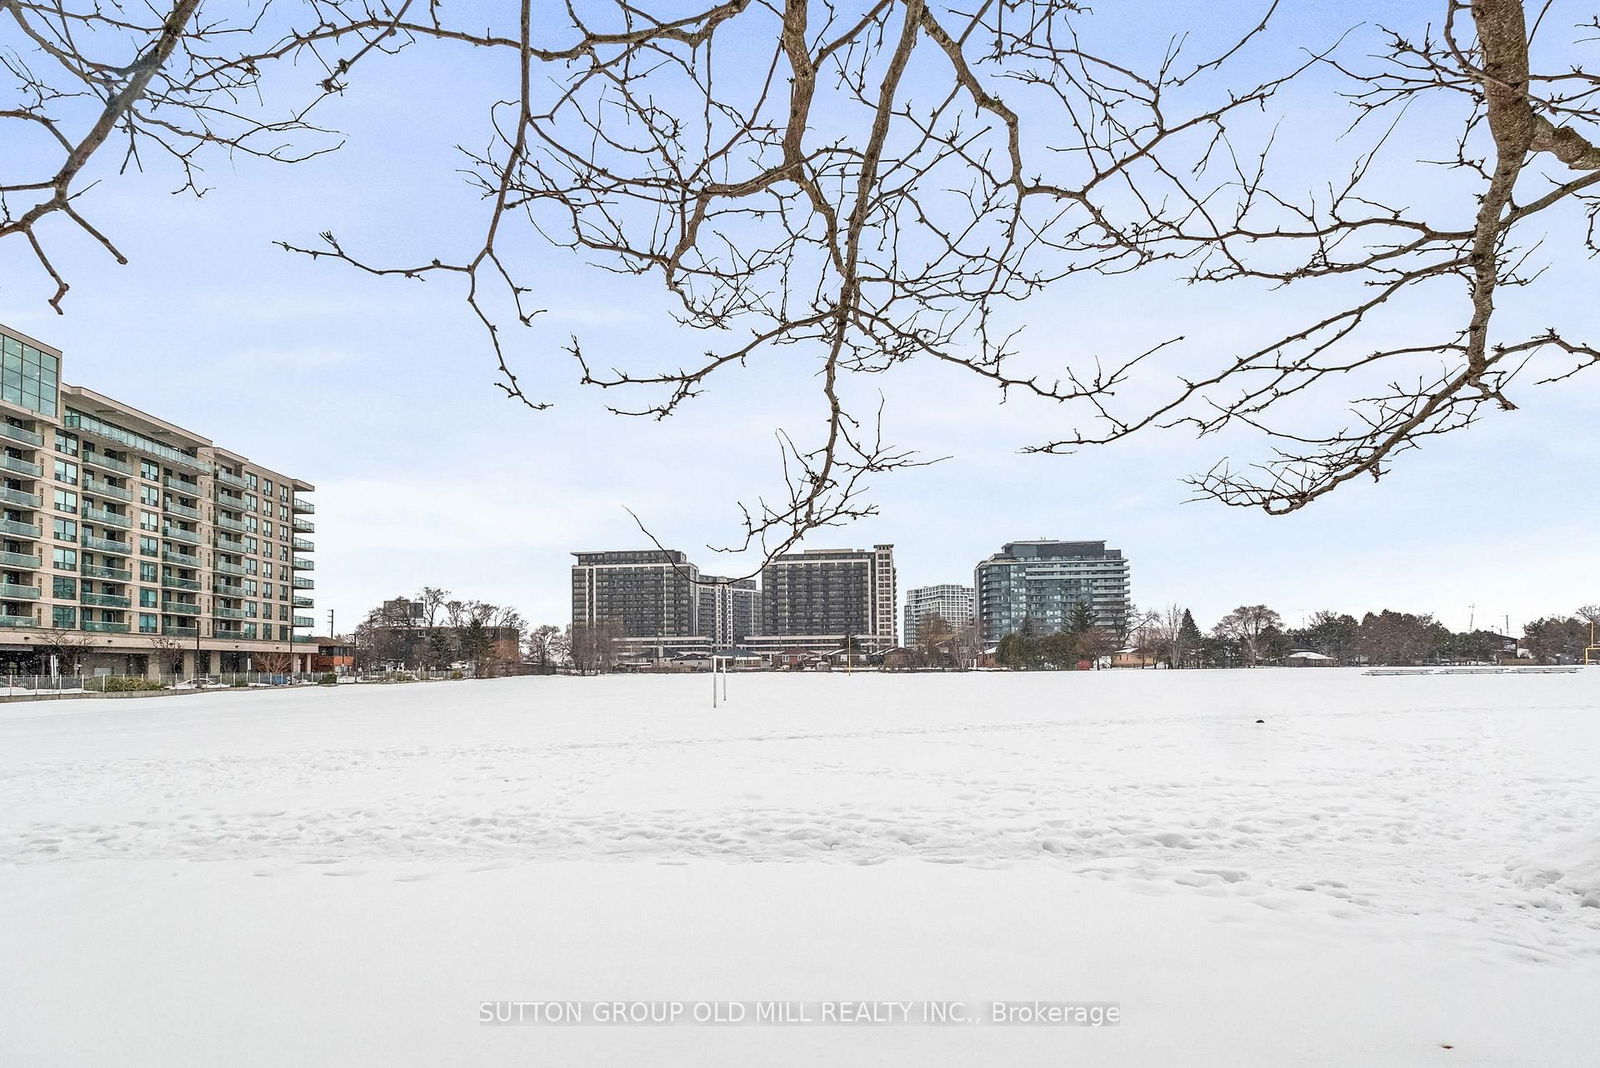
(233, 524)
(105, 545)
(105, 463)
(304, 526)
(231, 569)
(305, 637)
(304, 621)
(230, 613)
(17, 433)
(303, 545)
(173, 582)
(247, 632)
(109, 574)
(21, 467)
(173, 556)
(182, 509)
(11, 591)
(105, 489)
(178, 630)
(298, 505)
(105, 518)
(106, 600)
(21, 498)
(188, 487)
(103, 627)
(229, 543)
(227, 589)
(181, 535)
(20, 529)
(304, 583)
(304, 602)
(17, 621)
(229, 478)
(25, 561)
(229, 499)
(180, 608)
(304, 563)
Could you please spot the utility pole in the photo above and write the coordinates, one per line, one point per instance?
(1472, 614)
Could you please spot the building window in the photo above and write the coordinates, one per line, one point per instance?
(149, 546)
(64, 588)
(150, 495)
(66, 473)
(147, 571)
(149, 623)
(66, 501)
(266, 486)
(28, 377)
(66, 530)
(149, 471)
(65, 559)
(66, 444)
(63, 617)
(149, 521)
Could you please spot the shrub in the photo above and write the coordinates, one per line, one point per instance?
(328, 679)
(128, 683)
(455, 674)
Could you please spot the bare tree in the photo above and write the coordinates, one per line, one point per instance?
(1247, 625)
(547, 647)
(875, 183)
(69, 647)
(167, 651)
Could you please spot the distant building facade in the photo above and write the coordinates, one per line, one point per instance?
(730, 610)
(1044, 580)
(816, 598)
(660, 603)
(949, 602)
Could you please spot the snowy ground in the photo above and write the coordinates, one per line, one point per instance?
(1387, 871)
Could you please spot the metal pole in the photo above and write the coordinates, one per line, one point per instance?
(713, 682)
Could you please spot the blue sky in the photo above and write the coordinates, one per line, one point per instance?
(381, 392)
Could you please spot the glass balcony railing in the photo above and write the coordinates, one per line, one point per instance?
(304, 526)
(106, 463)
(105, 627)
(88, 424)
(231, 479)
(26, 561)
(230, 613)
(106, 600)
(233, 524)
(230, 543)
(180, 608)
(231, 569)
(304, 583)
(299, 505)
(173, 582)
(11, 591)
(173, 556)
(17, 621)
(178, 630)
(105, 518)
(106, 545)
(22, 467)
(304, 602)
(305, 637)
(187, 487)
(20, 529)
(227, 589)
(182, 509)
(304, 563)
(22, 434)
(180, 535)
(105, 489)
(304, 621)
(228, 498)
(109, 574)
(21, 498)
(247, 631)
(303, 545)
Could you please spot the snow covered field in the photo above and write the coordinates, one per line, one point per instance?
(1386, 871)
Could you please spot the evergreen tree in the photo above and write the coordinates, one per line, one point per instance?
(1189, 638)
(1082, 617)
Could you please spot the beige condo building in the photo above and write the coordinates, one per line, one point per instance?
(131, 544)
